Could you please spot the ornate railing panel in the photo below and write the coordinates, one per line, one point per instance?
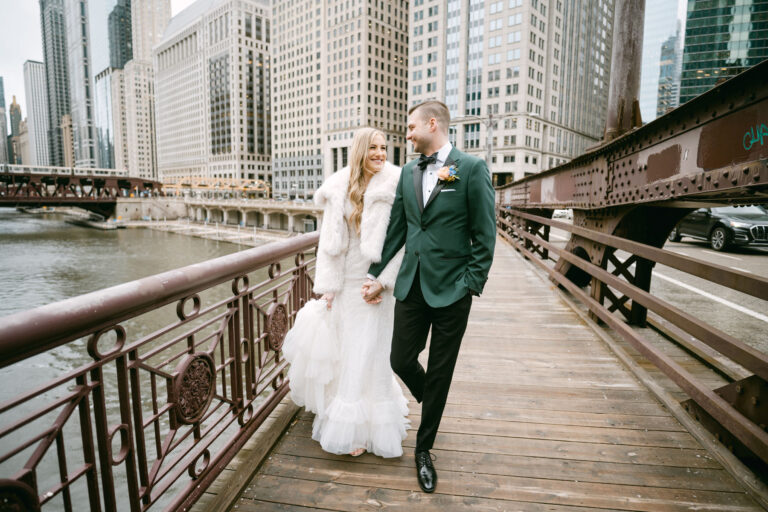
(174, 372)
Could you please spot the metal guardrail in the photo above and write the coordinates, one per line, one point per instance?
(152, 417)
(530, 234)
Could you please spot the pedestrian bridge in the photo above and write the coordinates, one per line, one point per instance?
(564, 398)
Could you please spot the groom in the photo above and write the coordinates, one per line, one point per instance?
(444, 214)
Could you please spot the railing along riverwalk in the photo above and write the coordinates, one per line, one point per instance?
(150, 415)
(734, 412)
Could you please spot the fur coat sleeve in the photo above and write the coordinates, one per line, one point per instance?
(334, 234)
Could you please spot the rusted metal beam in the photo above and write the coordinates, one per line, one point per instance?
(711, 150)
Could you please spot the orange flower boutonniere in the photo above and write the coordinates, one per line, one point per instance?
(448, 174)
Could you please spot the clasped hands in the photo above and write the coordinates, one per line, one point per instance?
(371, 291)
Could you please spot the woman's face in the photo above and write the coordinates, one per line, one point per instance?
(377, 154)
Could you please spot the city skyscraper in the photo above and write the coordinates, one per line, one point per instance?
(68, 144)
(212, 79)
(80, 88)
(55, 58)
(149, 19)
(669, 75)
(36, 92)
(530, 78)
(14, 112)
(3, 126)
(120, 35)
(722, 39)
(663, 20)
(335, 68)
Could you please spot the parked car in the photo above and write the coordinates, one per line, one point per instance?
(725, 227)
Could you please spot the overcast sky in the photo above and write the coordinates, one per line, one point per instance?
(20, 41)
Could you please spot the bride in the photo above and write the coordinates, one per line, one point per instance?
(343, 374)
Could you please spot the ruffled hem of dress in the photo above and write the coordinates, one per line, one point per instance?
(379, 427)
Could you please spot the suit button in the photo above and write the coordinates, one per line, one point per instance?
(423, 228)
(416, 253)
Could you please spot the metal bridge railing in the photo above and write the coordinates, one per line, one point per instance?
(617, 290)
(174, 372)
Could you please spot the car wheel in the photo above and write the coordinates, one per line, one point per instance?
(674, 235)
(719, 239)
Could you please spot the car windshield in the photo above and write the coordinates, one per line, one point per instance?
(741, 210)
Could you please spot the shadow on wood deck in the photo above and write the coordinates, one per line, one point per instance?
(541, 416)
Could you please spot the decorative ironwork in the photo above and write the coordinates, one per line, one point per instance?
(16, 496)
(159, 411)
(194, 386)
(277, 325)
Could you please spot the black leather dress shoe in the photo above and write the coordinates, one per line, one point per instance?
(425, 471)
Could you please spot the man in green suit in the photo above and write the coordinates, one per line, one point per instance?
(444, 214)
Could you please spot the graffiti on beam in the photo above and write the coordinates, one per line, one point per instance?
(754, 135)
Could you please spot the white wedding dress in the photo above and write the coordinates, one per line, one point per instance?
(341, 371)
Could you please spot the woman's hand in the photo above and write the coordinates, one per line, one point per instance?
(328, 298)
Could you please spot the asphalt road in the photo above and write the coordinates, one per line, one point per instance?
(740, 315)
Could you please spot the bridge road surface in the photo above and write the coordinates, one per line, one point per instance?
(541, 416)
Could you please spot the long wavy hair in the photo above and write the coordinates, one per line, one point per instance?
(357, 172)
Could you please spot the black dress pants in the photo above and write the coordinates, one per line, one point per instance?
(413, 319)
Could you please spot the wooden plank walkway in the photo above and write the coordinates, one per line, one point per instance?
(541, 416)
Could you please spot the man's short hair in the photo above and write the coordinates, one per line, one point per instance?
(433, 108)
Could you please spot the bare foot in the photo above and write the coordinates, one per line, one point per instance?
(357, 452)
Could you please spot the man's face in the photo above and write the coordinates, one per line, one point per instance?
(420, 131)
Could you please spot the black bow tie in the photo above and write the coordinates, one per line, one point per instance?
(424, 161)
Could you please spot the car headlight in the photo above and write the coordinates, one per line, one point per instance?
(735, 224)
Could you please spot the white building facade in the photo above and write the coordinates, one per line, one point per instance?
(36, 90)
(338, 65)
(529, 78)
(212, 73)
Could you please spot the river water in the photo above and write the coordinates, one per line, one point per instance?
(42, 260)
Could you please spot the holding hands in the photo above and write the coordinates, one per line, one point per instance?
(371, 291)
(328, 298)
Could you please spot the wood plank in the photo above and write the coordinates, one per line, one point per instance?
(539, 467)
(352, 498)
(568, 450)
(501, 487)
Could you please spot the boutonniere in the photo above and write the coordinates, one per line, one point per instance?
(448, 174)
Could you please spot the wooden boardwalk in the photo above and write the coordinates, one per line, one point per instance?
(541, 416)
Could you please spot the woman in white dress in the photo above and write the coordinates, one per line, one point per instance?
(345, 377)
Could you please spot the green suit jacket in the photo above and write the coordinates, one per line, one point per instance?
(450, 239)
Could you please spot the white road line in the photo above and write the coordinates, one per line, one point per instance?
(728, 303)
(741, 269)
(721, 254)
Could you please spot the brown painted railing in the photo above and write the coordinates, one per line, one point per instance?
(151, 415)
(617, 291)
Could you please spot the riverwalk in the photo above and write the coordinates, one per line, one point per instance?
(542, 415)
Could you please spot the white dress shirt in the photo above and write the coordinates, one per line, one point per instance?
(429, 177)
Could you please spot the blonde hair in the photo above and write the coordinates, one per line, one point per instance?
(358, 152)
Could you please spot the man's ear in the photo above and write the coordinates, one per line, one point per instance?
(432, 124)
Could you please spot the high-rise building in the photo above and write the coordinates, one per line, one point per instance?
(336, 67)
(722, 39)
(25, 151)
(36, 92)
(55, 57)
(3, 126)
(80, 85)
(15, 113)
(103, 119)
(212, 90)
(120, 35)
(68, 144)
(119, 119)
(663, 20)
(669, 75)
(149, 19)
(527, 78)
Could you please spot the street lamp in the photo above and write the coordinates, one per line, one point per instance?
(490, 123)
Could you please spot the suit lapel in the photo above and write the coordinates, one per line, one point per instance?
(417, 187)
(440, 184)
